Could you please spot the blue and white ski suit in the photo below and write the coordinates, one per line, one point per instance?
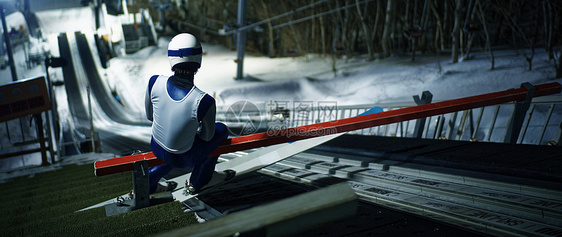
(184, 131)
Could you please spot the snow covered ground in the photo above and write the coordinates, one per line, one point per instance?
(357, 81)
(306, 78)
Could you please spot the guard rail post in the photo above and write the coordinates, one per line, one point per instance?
(420, 123)
(518, 116)
(558, 137)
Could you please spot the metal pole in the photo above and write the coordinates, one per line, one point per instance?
(241, 39)
(8, 44)
(51, 114)
(92, 142)
(41, 136)
(2, 54)
(96, 8)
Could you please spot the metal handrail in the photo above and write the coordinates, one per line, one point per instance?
(542, 122)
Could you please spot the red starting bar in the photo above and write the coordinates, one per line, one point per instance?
(125, 163)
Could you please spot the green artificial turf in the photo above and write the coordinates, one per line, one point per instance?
(45, 205)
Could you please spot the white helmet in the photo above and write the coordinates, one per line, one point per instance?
(184, 47)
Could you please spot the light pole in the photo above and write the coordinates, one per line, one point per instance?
(54, 121)
(7, 42)
(241, 39)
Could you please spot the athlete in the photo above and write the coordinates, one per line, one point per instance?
(184, 131)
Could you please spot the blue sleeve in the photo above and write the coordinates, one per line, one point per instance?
(206, 115)
(147, 100)
(151, 83)
(204, 106)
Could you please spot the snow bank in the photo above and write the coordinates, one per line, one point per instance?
(356, 81)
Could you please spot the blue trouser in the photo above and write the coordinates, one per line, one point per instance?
(196, 158)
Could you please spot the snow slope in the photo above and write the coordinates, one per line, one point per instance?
(356, 81)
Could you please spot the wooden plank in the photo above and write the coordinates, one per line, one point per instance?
(122, 164)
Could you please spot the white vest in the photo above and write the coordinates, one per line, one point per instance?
(175, 123)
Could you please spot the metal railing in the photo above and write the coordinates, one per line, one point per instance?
(542, 122)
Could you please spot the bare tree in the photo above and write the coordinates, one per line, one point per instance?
(470, 26)
(547, 14)
(512, 19)
(439, 39)
(352, 31)
(488, 46)
(385, 42)
(337, 27)
(340, 35)
(557, 57)
(366, 32)
(415, 31)
(551, 30)
(456, 33)
(323, 35)
(377, 20)
(271, 48)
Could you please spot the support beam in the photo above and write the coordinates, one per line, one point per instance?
(141, 193)
(269, 138)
